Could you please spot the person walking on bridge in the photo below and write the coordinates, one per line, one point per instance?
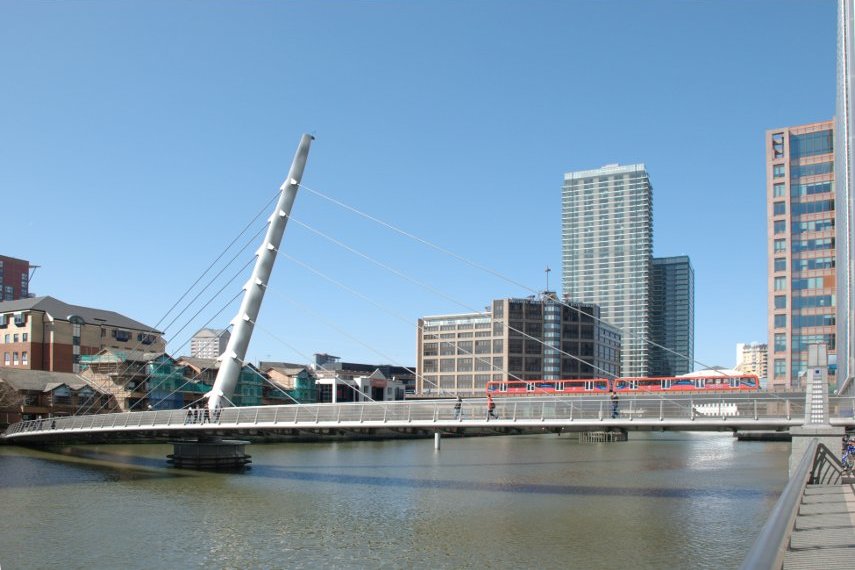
(458, 405)
(614, 399)
(491, 408)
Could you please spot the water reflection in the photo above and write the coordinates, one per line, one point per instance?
(659, 500)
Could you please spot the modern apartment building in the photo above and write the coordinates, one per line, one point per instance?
(534, 338)
(844, 173)
(209, 343)
(14, 278)
(753, 358)
(672, 316)
(43, 333)
(801, 250)
(607, 246)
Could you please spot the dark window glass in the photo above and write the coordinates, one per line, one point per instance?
(799, 170)
(811, 144)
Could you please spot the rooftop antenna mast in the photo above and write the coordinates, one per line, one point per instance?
(234, 356)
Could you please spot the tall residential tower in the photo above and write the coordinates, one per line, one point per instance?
(607, 244)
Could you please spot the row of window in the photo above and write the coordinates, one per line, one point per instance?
(800, 208)
(803, 321)
(806, 302)
(15, 337)
(800, 245)
(780, 264)
(15, 359)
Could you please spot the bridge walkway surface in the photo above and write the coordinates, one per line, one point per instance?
(824, 532)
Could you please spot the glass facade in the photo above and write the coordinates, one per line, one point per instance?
(607, 246)
(672, 316)
(844, 187)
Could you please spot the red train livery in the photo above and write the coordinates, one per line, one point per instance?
(710, 383)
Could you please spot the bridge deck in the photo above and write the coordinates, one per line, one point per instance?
(824, 532)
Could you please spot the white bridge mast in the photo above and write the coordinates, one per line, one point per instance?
(243, 323)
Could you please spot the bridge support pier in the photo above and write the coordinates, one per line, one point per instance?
(827, 435)
(437, 437)
(816, 409)
(210, 454)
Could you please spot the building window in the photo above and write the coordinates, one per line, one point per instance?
(780, 264)
(780, 342)
(779, 208)
(6, 359)
(780, 321)
(780, 245)
(778, 190)
(778, 171)
(778, 145)
(780, 367)
(24, 358)
(15, 360)
(15, 337)
(780, 301)
(799, 170)
(811, 144)
(779, 226)
(24, 337)
(780, 283)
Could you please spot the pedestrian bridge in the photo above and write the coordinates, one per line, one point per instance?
(737, 412)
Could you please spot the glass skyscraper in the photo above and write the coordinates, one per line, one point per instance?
(607, 245)
(672, 316)
(844, 177)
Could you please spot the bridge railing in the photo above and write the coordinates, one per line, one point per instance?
(741, 407)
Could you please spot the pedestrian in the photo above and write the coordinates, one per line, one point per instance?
(614, 398)
(189, 416)
(491, 408)
(458, 405)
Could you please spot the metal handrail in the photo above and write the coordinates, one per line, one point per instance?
(771, 544)
(747, 409)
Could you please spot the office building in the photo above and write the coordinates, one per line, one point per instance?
(607, 245)
(529, 339)
(801, 250)
(209, 343)
(43, 333)
(844, 176)
(339, 381)
(672, 316)
(14, 278)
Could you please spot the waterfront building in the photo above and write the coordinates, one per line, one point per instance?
(34, 394)
(607, 245)
(14, 278)
(844, 176)
(289, 384)
(209, 343)
(534, 338)
(203, 371)
(138, 380)
(43, 333)
(752, 358)
(339, 381)
(801, 250)
(327, 366)
(672, 316)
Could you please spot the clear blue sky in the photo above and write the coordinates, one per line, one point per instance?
(138, 138)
